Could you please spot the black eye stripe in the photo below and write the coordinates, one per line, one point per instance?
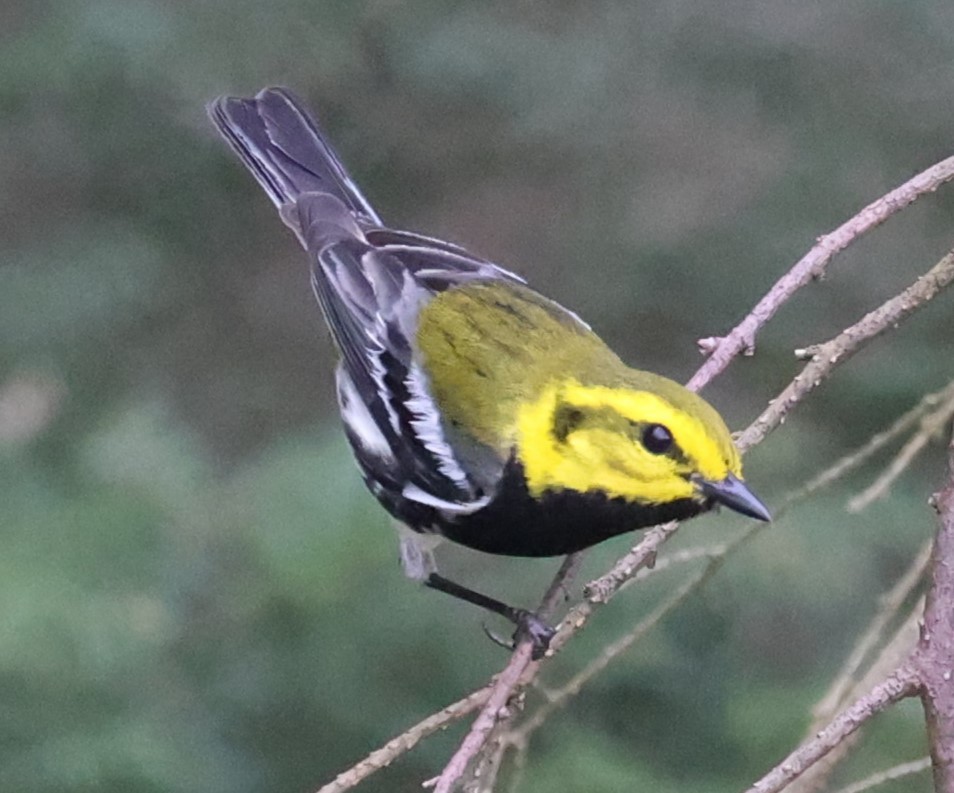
(656, 438)
(566, 419)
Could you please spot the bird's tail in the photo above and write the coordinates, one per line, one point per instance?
(281, 144)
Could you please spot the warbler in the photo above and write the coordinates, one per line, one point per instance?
(477, 409)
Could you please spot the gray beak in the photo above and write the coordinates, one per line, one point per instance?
(733, 493)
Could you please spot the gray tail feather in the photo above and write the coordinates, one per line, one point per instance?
(281, 144)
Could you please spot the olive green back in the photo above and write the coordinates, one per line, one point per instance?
(489, 346)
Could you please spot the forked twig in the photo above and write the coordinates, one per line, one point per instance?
(900, 684)
(812, 266)
(927, 672)
(825, 357)
(385, 755)
(932, 425)
(880, 439)
(896, 651)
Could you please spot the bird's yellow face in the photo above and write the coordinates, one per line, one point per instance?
(624, 442)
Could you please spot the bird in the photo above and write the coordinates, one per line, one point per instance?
(478, 410)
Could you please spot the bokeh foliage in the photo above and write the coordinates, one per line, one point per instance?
(196, 593)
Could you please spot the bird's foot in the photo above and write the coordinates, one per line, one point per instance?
(533, 629)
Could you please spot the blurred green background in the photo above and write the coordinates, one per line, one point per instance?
(196, 592)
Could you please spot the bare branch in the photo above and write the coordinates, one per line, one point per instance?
(900, 684)
(604, 588)
(642, 555)
(609, 653)
(895, 653)
(934, 659)
(741, 339)
(483, 778)
(560, 585)
(812, 266)
(826, 356)
(503, 688)
(406, 741)
(493, 713)
(872, 325)
(810, 765)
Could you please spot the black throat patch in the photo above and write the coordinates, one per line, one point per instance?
(560, 522)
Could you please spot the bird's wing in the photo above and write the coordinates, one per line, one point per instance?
(371, 283)
(371, 287)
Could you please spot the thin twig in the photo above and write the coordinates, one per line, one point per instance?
(812, 266)
(483, 778)
(488, 762)
(518, 739)
(380, 758)
(519, 767)
(560, 586)
(879, 440)
(639, 560)
(643, 554)
(902, 683)
(558, 698)
(503, 689)
(493, 713)
(605, 588)
(890, 603)
(932, 425)
(896, 651)
(933, 660)
(888, 775)
(825, 357)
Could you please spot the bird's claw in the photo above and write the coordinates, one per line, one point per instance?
(529, 628)
(533, 629)
(507, 644)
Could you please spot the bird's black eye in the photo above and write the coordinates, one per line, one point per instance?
(657, 439)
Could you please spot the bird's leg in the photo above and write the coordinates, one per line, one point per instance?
(417, 560)
(529, 625)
